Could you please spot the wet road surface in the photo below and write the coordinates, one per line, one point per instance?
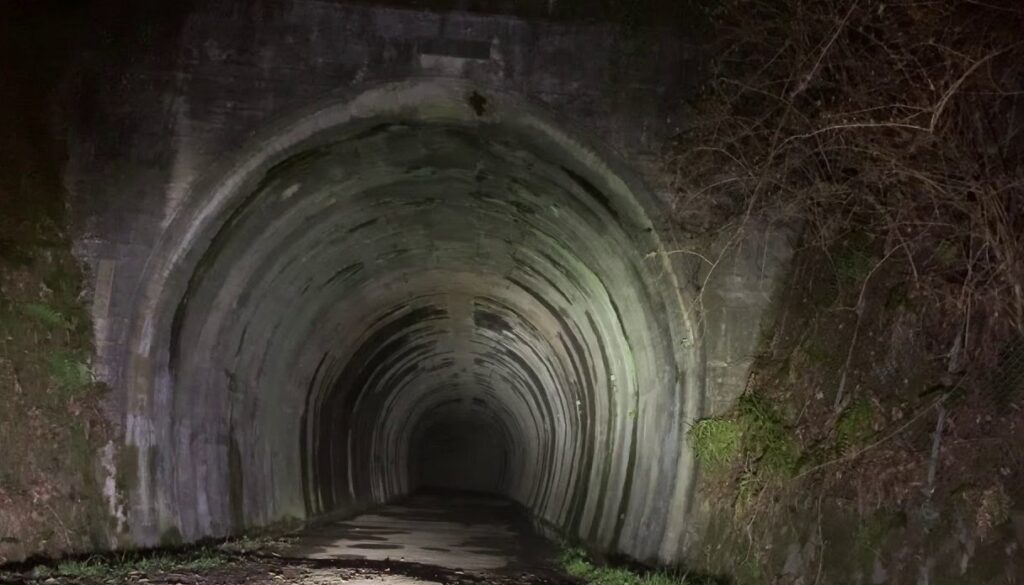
(456, 532)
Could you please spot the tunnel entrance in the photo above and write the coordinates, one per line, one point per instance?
(425, 286)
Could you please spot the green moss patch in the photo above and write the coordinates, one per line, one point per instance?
(755, 432)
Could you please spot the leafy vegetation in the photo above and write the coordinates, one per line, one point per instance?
(96, 568)
(45, 314)
(854, 426)
(754, 431)
(69, 371)
(578, 564)
(888, 133)
(767, 438)
(716, 441)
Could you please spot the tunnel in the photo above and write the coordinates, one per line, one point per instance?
(426, 285)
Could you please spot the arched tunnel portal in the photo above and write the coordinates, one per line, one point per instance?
(426, 285)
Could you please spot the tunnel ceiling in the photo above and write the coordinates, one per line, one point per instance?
(360, 284)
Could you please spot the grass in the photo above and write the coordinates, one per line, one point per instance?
(110, 567)
(97, 568)
(716, 441)
(577, 563)
(756, 431)
(81, 570)
(756, 435)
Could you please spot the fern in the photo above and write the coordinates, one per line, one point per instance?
(854, 426)
(45, 314)
(69, 371)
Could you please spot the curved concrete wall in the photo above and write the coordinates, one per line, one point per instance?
(422, 254)
(305, 290)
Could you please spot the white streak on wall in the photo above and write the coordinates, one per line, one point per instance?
(184, 164)
(115, 503)
(101, 315)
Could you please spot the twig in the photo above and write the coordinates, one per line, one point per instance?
(64, 529)
(855, 125)
(821, 542)
(859, 310)
(941, 106)
(933, 462)
(821, 55)
(650, 255)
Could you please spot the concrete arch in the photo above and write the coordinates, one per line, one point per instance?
(416, 254)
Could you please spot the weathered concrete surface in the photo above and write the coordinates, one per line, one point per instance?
(471, 533)
(326, 237)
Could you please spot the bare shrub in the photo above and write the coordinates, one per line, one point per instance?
(899, 122)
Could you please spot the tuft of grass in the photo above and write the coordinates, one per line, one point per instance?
(577, 563)
(82, 569)
(613, 576)
(69, 371)
(716, 441)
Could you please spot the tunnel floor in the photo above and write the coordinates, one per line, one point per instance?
(433, 537)
(472, 533)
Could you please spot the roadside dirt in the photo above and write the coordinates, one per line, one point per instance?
(253, 570)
